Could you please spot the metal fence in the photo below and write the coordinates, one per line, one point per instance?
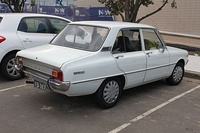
(70, 12)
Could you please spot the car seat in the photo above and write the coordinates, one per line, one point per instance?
(121, 40)
(41, 28)
(23, 27)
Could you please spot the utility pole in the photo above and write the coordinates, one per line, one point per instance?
(38, 6)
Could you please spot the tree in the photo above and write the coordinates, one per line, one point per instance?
(128, 9)
(33, 2)
(15, 5)
(59, 2)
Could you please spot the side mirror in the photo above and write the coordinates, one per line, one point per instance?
(162, 50)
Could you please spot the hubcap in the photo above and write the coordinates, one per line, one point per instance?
(111, 92)
(11, 68)
(178, 74)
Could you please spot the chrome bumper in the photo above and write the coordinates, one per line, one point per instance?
(50, 83)
(59, 86)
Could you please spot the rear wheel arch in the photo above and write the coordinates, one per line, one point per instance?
(9, 53)
(121, 78)
(109, 92)
(10, 73)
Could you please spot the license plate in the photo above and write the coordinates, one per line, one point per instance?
(39, 85)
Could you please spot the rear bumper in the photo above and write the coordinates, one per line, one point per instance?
(54, 85)
(59, 86)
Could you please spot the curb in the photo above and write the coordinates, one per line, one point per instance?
(192, 74)
(181, 46)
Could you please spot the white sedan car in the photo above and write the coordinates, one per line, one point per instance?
(24, 30)
(102, 58)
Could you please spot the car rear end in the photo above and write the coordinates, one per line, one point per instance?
(9, 45)
(2, 39)
(43, 66)
(43, 76)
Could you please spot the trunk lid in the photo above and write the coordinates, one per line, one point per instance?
(52, 54)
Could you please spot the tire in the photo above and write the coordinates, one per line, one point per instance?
(109, 93)
(177, 74)
(8, 68)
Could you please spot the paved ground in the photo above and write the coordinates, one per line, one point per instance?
(152, 108)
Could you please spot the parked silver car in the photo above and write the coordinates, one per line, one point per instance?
(24, 30)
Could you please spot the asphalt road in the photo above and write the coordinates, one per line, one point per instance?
(152, 108)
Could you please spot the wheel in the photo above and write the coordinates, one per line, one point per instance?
(177, 74)
(109, 93)
(8, 68)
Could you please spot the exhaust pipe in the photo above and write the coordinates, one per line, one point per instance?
(29, 82)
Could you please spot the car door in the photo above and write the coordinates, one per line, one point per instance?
(34, 31)
(157, 55)
(129, 56)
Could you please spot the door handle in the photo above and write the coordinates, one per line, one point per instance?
(27, 40)
(120, 56)
(149, 53)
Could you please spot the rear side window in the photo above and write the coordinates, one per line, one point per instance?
(57, 24)
(33, 25)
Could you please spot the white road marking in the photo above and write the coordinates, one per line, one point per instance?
(118, 129)
(11, 88)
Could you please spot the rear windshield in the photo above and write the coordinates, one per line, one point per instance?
(89, 38)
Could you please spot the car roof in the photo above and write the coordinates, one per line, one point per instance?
(13, 19)
(20, 15)
(112, 24)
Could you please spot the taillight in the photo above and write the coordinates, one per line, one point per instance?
(19, 61)
(57, 74)
(2, 39)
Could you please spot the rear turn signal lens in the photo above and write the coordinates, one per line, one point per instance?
(2, 39)
(57, 74)
(20, 61)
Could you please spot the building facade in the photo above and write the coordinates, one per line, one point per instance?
(184, 19)
(178, 25)
(87, 3)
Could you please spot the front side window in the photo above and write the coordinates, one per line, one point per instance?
(151, 40)
(89, 38)
(127, 40)
(57, 24)
(33, 25)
